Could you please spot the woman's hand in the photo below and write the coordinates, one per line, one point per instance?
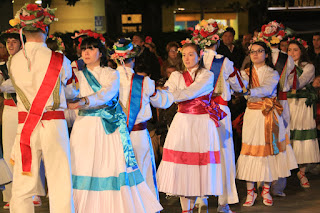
(77, 103)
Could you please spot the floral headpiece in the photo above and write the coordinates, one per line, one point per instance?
(124, 49)
(32, 17)
(88, 33)
(11, 31)
(273, 32)
(206, 33)
(300, 41)
(59, 41)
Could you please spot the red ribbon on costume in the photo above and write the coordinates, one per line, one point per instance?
(282, 96)
(37, 108)
(201, 105)
(295, 80)
(191, 158)
(49, 115)
(236, 73)
(9, 102)
(219, 100)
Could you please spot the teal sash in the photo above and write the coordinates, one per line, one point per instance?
(216, 69)
(112, 117)
(135, 99)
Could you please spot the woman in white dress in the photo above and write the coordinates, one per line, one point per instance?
(302, 111)
(105, 174)
(190, 166)
(264, 154)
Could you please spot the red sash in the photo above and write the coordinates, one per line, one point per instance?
(9, 102)
(37, 108)
(201, 105)
(282, 95)
(219, 100)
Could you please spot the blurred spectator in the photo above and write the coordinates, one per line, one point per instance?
(173, 59)
(284, 45)
(314, 52)
(228, 49)
(246, 42)
(112, 64)
(3, 51)
(152, 47)
(150, 58)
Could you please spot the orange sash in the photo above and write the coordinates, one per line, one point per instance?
(269, 107)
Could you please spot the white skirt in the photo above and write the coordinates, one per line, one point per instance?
(306, 148)
(263, 168)
(5, 174)
(190, 164)
(101, 180)
(230, 194)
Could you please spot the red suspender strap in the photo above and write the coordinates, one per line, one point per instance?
(37, 108)
(187, 78)
(236, 73)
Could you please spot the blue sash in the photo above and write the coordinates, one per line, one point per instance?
(112, 117)
(135, 100)
(80, 64)
(216, 69)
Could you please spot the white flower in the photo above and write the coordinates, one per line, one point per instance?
(196, 41)
(203, 41)
(220, 31)
(208, 43)
(198, 27)
(210, 28)
(211, 21)
(270, 29)
(25, 13)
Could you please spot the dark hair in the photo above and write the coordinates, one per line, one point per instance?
(14, 36)
(198, 50)
(268, 60)
(52, 44)
(231, 30)
(143, 64)
(96, 43)
(304, 57)
(172, 44)
(141, 36)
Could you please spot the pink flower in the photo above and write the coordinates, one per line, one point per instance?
(148, 39)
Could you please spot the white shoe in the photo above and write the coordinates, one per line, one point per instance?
(202, 204)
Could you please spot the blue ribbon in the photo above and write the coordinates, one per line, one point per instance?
(135, 99)
(107, 183)
(216, 68)
(112, 117)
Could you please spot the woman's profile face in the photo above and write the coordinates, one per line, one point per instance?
(190, 57)
(294, 51)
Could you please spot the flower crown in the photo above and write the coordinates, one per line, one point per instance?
(59, 41)
(32, 17)
(273, 32)
(11, 31)
(88, 33)
(300, 41)
(206, 33)
(122, 51)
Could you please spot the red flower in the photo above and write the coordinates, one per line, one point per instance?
(190, 29)
(215, 24)
(282, 33)
(48, 15)
(195, 32)
(50, 36)
(33, 7)
(183, 42)
(40, 25)
(27, 18)
(95, 35)
(148, 39)
(204, 33)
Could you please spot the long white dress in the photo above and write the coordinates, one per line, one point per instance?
(303, 125)
(141, 141)
(230, 194)
(190, 164)
(101, 180)
(256, 163)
